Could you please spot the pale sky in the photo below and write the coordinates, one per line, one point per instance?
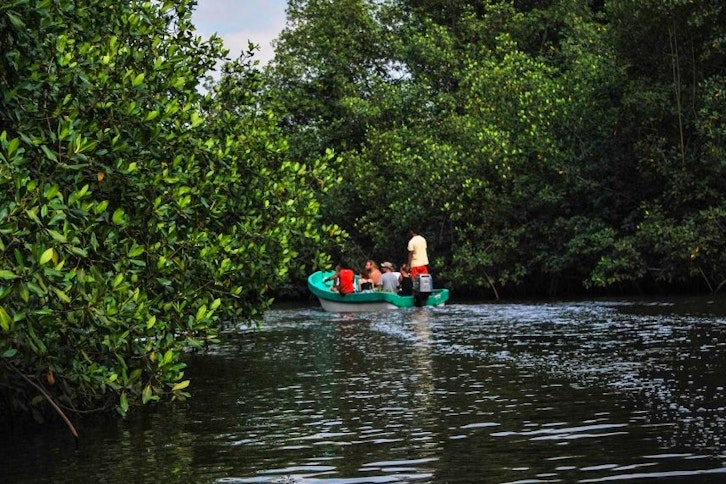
(238, 21)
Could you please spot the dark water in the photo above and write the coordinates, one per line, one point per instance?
(525, 393)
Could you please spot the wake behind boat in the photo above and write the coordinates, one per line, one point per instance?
(368, 300)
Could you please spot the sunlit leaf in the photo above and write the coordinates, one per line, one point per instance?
(180, 386)
(47, 255)
(146, 394)
(5, 319)
(118, 216)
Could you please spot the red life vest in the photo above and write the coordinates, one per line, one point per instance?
(345, 281)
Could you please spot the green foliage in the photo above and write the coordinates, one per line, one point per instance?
(533, 141)
(136, 213)
(331, 51)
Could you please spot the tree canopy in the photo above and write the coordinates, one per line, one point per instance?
(547, 148)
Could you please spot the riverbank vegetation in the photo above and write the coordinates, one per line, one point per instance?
(136, 211)
(544, 148)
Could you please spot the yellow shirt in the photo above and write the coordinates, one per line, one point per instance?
(417, 245)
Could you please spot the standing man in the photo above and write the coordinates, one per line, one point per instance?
(418, 259)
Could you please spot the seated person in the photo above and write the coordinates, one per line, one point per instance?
(389, 280)
(343, 278)
(374, 273)
(365, 283)
(405, 281)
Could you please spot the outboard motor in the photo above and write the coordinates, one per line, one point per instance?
(423, 286)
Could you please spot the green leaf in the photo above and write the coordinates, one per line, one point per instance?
(57, 236)
(136, 251)
(8, 275)
(124, 403)
(24, 293)
(33, 214)
(117, 280)
(78, 251)
(10, 352)
(180, 386)
(48, 153)
(52, 191)
(118, 216)
(37, 290)
(47, 255)
(78, 194)
(13, 146)
(15, 20)
(100, 207)
(146, 395)
(135, 374)
(61, 295)
(201, 313)
(5, 319)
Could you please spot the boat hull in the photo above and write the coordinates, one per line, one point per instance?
(347, 307)
(369, 300)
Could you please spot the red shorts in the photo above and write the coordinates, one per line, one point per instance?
(415, 271)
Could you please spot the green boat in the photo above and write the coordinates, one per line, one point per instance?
(369, 300)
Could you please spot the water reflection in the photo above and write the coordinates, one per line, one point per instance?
(423, 359)
(558, 392)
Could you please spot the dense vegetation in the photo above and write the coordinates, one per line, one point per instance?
(545, 147)
(542, 147)
(136, 213)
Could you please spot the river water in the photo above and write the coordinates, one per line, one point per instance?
(594, 391)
